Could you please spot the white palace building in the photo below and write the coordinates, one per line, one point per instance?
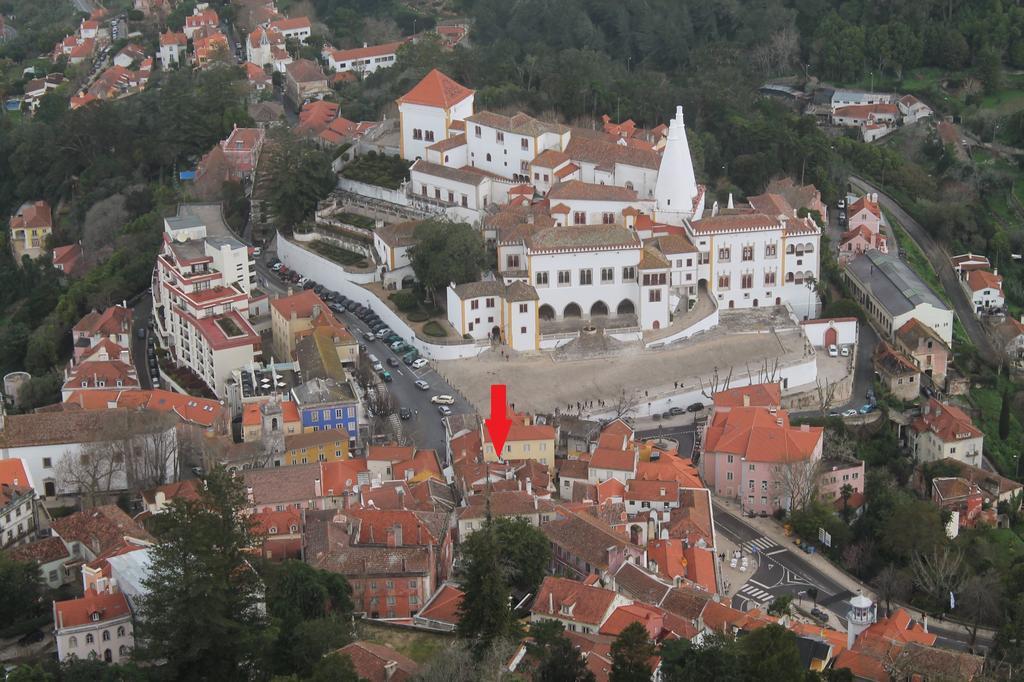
(601, 226)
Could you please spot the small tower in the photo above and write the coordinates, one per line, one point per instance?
(861, 616)
(676, 188)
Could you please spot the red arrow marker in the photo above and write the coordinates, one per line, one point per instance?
(499, 423)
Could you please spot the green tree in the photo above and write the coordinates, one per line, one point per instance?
(552, 655)
(296, 176)
(846, 492)
(446, 252)
(336, 667)
(715, 658)
(203, 616)
(30, 673)
(772, 654)
(780, 605)
(1004, 416)
(524, 552)
(22, 589)
(990, 70)
(485, 614)
(632, 652)
(95, 670)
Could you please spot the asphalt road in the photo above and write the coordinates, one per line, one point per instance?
(425, 428)
(940, 263)
(141, 311)
(784, 571)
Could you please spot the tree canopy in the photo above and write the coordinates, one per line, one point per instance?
(446, 252)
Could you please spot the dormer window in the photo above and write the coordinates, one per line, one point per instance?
(95, 616)
(293, 528)
(273, 530)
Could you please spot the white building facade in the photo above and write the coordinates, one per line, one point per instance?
(427, 112)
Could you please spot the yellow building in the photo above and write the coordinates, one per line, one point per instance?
(526, 440)
(297, 316)
(31, 226)
(316, 446)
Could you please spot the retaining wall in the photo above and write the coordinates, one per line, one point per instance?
(348, 284)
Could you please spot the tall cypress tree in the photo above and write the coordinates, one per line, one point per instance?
(632, 652)
(203, 618)
(485, 614)
(1004, 416)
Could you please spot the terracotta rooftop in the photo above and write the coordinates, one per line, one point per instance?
(41, 551)
(585, 537)
(761, 436)
(436, 90)
(946, 421)
(378, 663)
(101, 529)
(75, 612)
(572, 600)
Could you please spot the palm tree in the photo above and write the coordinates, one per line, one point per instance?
(846, 492)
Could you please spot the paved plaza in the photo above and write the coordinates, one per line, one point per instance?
(541, 383)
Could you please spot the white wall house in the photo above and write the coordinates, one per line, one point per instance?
(365, 59)
(985, 290)
(173, 49)
(580, 203)
(493, 310)
(427, 112)
(506, 145)
(297, 28)
(97, 626)
(892, 294)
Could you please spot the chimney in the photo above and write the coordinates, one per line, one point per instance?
(551, 602)
(746, 400)
(250, 497)
(391, 666)
(529, 485)
(730, 204)
(316, 311)
(778, 422)
(805, 427)
(317, 488)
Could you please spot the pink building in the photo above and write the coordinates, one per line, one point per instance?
(748, 452)
(865, 212)
(858, 240)
(837, 472)
(242, 150)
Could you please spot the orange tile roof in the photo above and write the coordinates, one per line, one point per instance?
(390, 453)
(75, 612)
(612, 488)
(33, 214)
(444, 605)
(668, 555)
(670, 467)
(301, 304)
(865, 203)
(251, 415)
(700, 567)
(946, 421)
(291, 24)
(185, 490)
(649, 617)
(418, 528)
(978, 280)
(658, 491)
(588, 604)
(756, 395)
(280, 521)
(760, 436)
(378, 663)
(340, 475)
(436, 90)
(368, 51)
(114, 320)
(900, 627)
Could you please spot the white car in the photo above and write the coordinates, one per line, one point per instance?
(445, 411)
(845, 351)
(833, 352)
(442, 400)
(422, 385)
(276, 266)
(420, 362)
(850, 413)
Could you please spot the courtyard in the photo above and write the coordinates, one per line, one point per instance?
(748, 344)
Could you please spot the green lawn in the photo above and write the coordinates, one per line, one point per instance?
(1004, 453)
(923, 78)
(1005, 102)
(417, 645)
(337, 254)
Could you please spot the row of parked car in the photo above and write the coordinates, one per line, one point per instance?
(378, 332)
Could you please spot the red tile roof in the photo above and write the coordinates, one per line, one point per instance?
(41, 551)
(114, 320)
(436, 90)
(340, 475)
(14, 474)
(655, 491)
(946, 421)
(978, 280)
(183, 490)
(650, 618)
(865, 203)
(756, 395)
(272, 523)
(102, 529)
(761, 436)
(377, 663)
(75, 612)
(444, 605)
(291, 24)
(368, 51)
(33, 214)
(301, 304)
(610, 458)
(586, 604)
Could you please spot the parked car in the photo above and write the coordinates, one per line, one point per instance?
(309, 285)
(369, 336)
(409, 358)
(405, 413)
(870, 393)
(198, 471)
(393, 362)
(443, 400)
(695, 407)
(140, 332)
(850, 413)
(383, 333)
(420, 362)
(833, 351)
(395, 345)
(845, 351)
(386, 376)
(865, 409)
(392, 338)
(445, 411)
(351, 306)
(819, 614)
(675, 411)
(276, 267)
(422, 385)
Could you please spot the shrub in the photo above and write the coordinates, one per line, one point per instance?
(404, 301)
(432, 328)
(418, 316)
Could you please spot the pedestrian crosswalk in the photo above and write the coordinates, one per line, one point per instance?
(763, 544)
(755, 593)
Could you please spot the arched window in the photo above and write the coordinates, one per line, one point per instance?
(72, 641)
(488, 157)
(293, 528)
(106, 635)
(120, 631)
(123, 650)
(89, 639)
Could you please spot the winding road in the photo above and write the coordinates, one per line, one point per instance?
(939, 260)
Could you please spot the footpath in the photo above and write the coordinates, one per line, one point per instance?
(775, 532)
